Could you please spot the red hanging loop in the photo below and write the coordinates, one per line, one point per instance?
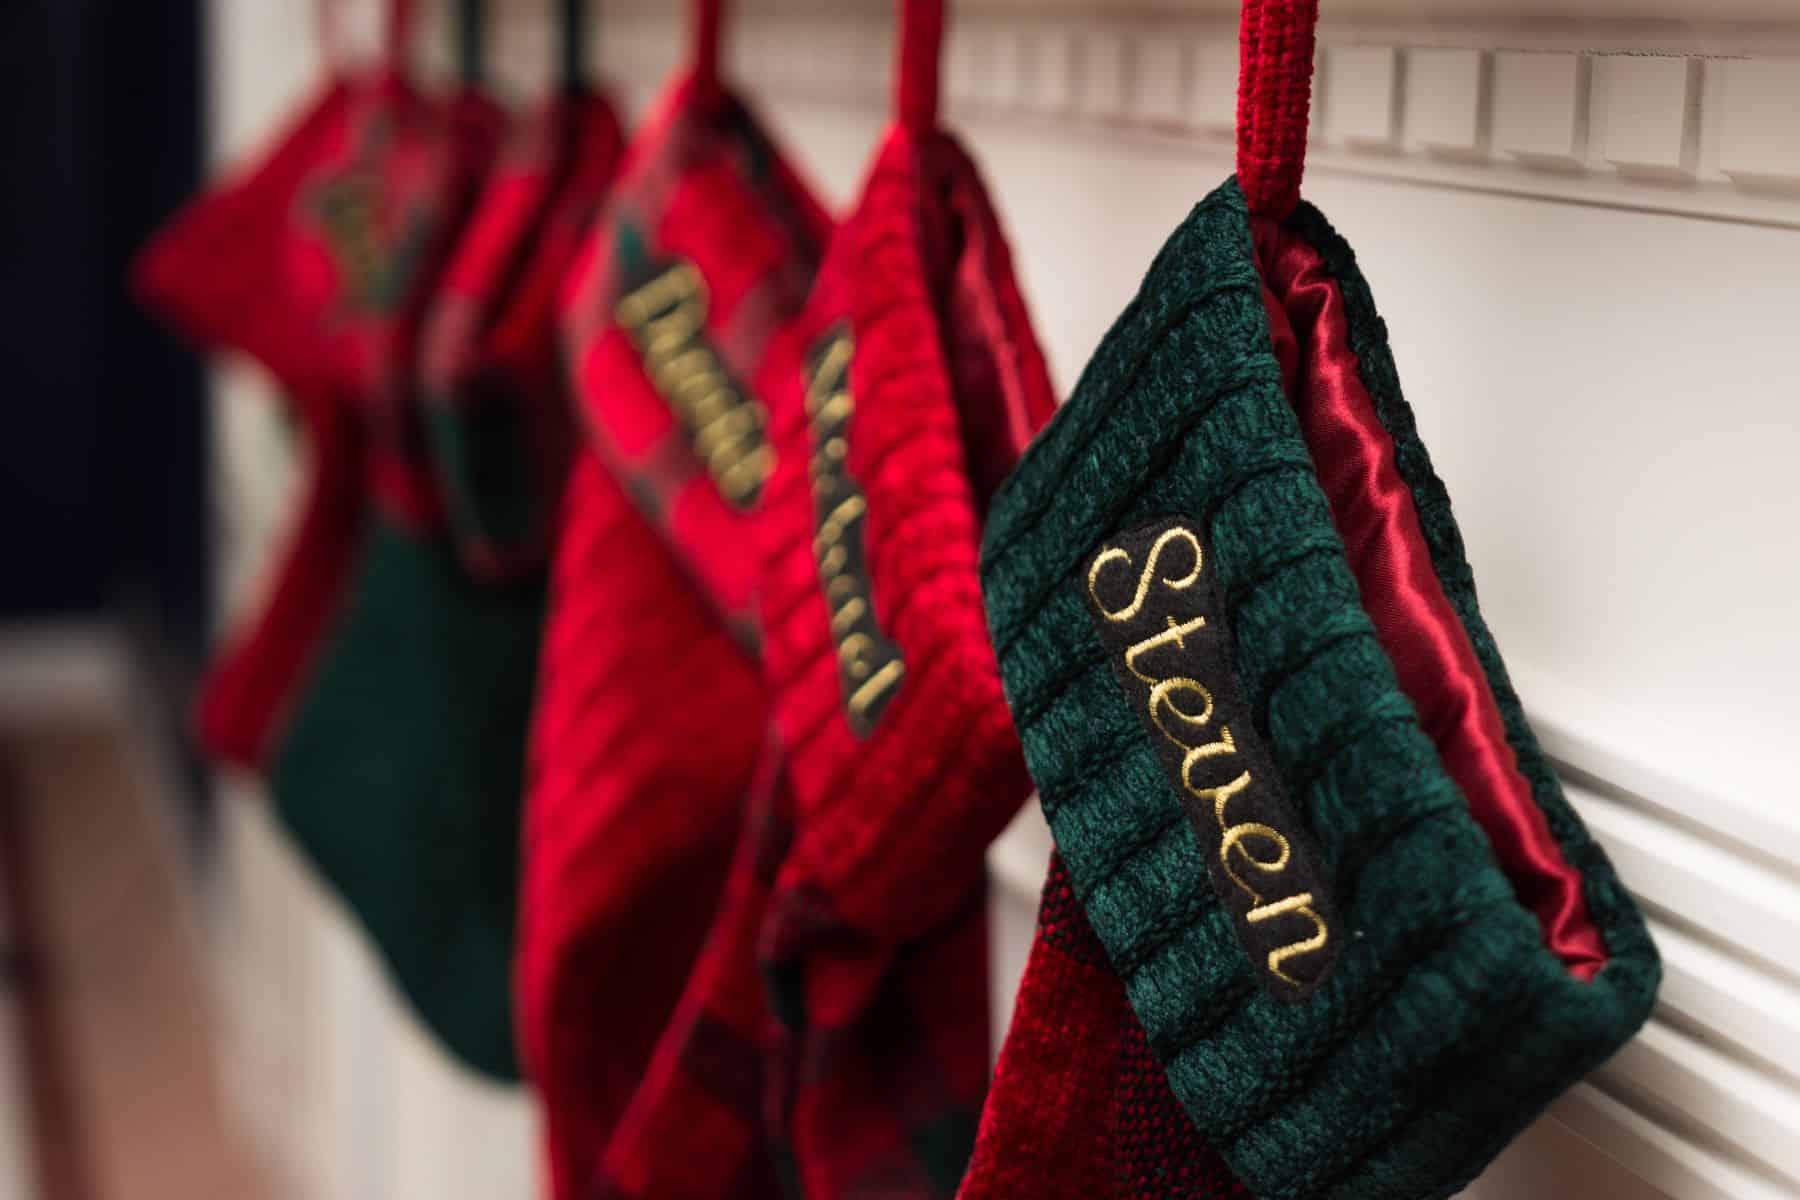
(572, 30)
(1275, 48)
(708, 17)
(398, 34)
(328, 31)
(921, 54)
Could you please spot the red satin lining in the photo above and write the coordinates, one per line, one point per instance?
(1432, 655)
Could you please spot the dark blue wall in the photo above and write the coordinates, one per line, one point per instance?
(102, 434)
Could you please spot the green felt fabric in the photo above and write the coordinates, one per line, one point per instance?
(1446, 1025)
(400, 774)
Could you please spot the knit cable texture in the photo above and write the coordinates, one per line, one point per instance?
(1446, 1025)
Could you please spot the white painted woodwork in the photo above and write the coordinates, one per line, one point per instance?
(1582, 221)
(1649, 113)
(1444, 99)
(1358, 95)
(1105, 77)
(1162, 80)
(1214, 92)
(18, 1146)
(1760, 137)
(1540, 113)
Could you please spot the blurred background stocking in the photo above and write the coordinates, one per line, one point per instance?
(498, 415)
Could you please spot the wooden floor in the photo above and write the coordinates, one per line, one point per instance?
(114, 1053)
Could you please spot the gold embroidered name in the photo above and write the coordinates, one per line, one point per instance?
(375, 245)
(869, 664)
(666, 319)
(1157, 609)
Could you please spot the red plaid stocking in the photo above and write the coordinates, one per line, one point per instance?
(646, 733)
(705, 247)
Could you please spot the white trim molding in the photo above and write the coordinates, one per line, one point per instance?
(1701, 119)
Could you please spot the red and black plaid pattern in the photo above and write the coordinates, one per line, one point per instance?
(698, 1125)
(705, 193)
(1080, 1109)
(497, 408)
(366, 242)
(880, 1051)
(649, 721)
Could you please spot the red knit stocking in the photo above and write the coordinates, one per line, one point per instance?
(647, 729)
(907, 389)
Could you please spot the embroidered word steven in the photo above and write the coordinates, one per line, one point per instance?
(869, 666)
(1158, 612)
(665, 316)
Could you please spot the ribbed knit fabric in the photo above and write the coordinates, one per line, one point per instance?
(907, 389)
(1080, 1108)
(498, 422)
(1445, 1024)
(637, 782)
(1275, 57)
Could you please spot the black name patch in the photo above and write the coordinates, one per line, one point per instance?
(664, 312)
(869, 666)
(1158, 612)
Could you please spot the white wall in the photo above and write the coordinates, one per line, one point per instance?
(1585, 237)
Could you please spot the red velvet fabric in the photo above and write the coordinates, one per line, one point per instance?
(647, 729)
(1431, 652)
(878, 897)
(702, 185)
(490, 367)
(1080, 1109)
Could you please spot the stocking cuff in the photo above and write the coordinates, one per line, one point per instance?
(1349, 995)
